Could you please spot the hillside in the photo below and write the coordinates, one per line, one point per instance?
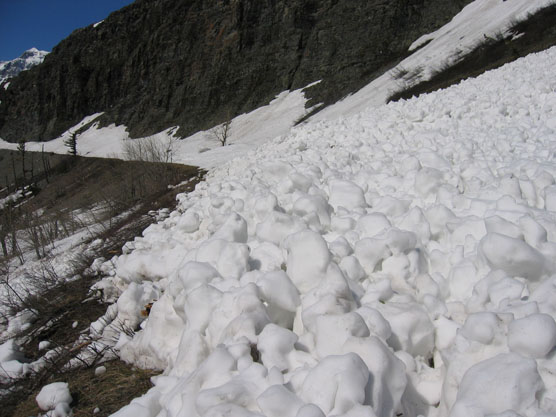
(192, 63)
(361, 259)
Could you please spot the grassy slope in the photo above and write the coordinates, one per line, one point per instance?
(80, 184)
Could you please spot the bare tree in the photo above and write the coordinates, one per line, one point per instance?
(222, 132)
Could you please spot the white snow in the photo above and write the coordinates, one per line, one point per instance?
(9, 69)
(478, 20)
(201, 149)
(12, 198)
(55, 397)
(533, 336)
(397, 260)
(100, 370)
(400, 260)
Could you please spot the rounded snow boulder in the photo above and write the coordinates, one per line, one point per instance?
(507, 381)
(513, 256)
(52, 395)
(346, 194)
(308, 259)
(533, 336)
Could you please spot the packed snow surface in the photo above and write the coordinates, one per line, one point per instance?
(401, 260)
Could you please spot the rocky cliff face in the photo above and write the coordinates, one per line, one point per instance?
(193, 63)
(30, 58)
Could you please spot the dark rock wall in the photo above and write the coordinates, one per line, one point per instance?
(193, 63)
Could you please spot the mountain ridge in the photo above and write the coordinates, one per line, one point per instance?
(27, 60)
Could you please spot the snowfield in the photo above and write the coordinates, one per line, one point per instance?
(399, 261)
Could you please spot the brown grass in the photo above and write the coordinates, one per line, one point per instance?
(109, 391)
(80, 184)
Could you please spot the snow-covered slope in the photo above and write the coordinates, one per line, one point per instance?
(401, 260)
(30, 58)
(480, 19)
(201, 149)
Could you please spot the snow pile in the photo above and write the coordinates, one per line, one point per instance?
(398, 261)
(11, 359)
(56, 399)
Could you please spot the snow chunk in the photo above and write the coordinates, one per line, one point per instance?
(278, 401)
(10, 352)
(513, 256)
(505, 382)
(372, 224)
(11, 360)
(194, 274)
(308, 259)
(52, 395)
(231, 259)
(308, 206)
(189, 222)
(532, 336)
(412, 330)
(332, 330)
(427, 181)
(346, 194)
(480, 327)
(234, 229)
(336, 384)
(100, 370)
(278, 289)
(387, 373)
(275, 343)
(277, 226)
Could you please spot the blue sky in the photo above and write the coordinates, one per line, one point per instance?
(44, 23)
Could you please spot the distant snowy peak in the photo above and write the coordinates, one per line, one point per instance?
(29, 58)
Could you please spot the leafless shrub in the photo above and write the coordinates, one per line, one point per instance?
(398, 72)
(222, 132)
(149, 149)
